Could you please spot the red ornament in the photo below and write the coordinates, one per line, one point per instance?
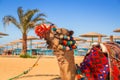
(74, 47)
(42, 29)
(64, 42)
(78, 76)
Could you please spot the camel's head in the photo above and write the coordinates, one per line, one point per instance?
(56, 38)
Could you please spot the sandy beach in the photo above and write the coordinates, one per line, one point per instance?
(47, 68)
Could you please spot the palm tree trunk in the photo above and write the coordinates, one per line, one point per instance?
(24, 46)
(66, 64)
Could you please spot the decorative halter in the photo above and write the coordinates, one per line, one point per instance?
(66, 41)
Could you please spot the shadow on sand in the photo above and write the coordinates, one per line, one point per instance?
(57, 78)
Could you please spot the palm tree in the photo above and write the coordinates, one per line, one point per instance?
(27, 21)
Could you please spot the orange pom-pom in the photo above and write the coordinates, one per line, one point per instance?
(74, 47)
(78, 76)
(41, 30)
(64, 42)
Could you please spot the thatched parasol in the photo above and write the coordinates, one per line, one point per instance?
(1, 46)
(31, 38)
(91, 40)
(39, 42)
(79, 39)
(93, 34)
(17, 43)
(3, 34)
(41, 47)
(8, 44)
(114, 37)
(116, 30)
(1, 49)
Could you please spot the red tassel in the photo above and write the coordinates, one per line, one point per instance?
(78, 76)
(40, 30)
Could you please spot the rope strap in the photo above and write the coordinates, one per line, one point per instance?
(26, 71)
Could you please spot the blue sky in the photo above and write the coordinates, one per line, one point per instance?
(81, 16)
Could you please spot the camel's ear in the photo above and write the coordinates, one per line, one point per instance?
(64, 31)
(59, 31)
(71, 33)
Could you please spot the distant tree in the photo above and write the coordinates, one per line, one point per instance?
(27, 21)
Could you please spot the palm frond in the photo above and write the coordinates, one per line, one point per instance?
(28, 17)
(39, 17)
(32, 24)
(29, 14)
(10, 19)
(35, 20)
(20, 14)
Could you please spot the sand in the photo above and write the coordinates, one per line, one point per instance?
(47, 68)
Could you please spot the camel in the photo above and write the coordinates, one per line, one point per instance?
(60, 40)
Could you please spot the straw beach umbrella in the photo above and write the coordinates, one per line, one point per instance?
(37, 43)
(89, 40)
(38, 46)
(114, 38)
(3, 34)
(6, 45)
(9, 47)
(116, 30)
(30, 38)
(41, 47)
(79, 39)
(16, 42)
(93, 34)
(1, 46)
(1, 49)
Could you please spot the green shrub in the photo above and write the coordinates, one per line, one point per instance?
(26, 56)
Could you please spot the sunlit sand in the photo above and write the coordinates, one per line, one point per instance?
(47, 68)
